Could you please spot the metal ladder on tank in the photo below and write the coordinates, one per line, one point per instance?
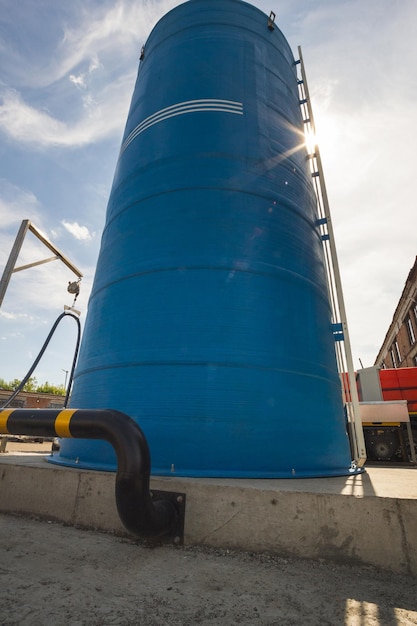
(339, 323)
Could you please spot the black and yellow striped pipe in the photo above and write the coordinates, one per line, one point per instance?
(138, 511)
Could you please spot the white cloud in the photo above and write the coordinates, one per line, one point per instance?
(112, 34)
(79, 232)
(94, 64)
(28, 125)
(16, 204)
(14, 316)
(78, 81)
(81, 81)
(113, 31)
(25, 123)
(82, 33)
(105, 41)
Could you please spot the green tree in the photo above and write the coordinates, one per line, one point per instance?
(14, 383)
(58, 390)
(30, 385)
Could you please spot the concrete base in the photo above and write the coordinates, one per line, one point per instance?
(368, 519)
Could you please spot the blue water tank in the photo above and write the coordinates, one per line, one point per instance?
(209, 318)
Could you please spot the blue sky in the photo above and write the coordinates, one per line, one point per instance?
(67, 72)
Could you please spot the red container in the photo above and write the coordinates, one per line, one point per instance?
(400, 384)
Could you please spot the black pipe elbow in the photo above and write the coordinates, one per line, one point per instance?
(148, 515)
(150, 519)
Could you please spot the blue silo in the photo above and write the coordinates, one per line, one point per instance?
(209, 318)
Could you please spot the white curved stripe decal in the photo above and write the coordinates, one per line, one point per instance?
(189, 106)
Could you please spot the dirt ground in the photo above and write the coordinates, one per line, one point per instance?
(51, 573)
(28, 447)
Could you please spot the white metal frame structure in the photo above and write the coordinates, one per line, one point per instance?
(10, 265)
(339, 322)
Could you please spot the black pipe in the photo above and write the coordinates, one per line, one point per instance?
(139, 513)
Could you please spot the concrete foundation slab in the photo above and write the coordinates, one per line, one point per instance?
(367, 519)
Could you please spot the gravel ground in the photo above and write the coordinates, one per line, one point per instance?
(50, 573)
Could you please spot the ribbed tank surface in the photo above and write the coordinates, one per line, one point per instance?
(209, 318)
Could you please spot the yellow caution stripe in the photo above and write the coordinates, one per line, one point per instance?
(62, 422)
(380, 424)
(4, 416)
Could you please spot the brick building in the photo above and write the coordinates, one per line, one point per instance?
(32, 400)
(399, 348)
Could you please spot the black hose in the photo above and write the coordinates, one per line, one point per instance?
(40, 355)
